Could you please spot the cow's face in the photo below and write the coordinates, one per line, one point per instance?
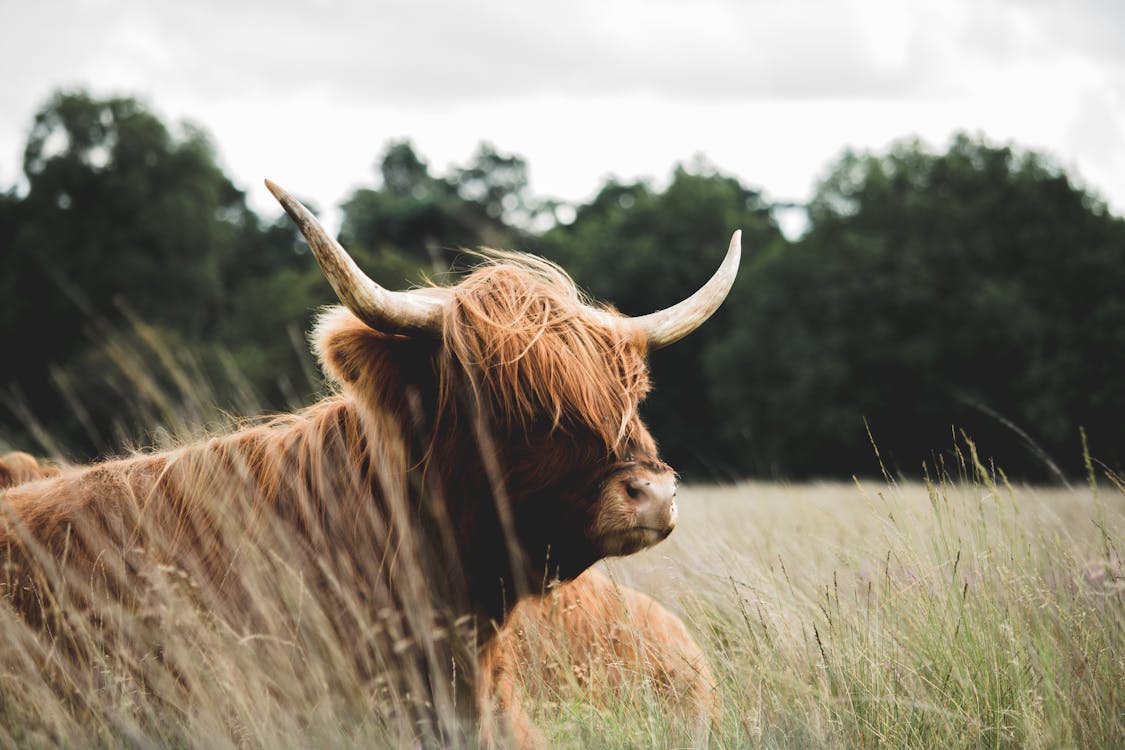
(565, 530)
(629, 504)
(587, 489)
(580, 488)
(636, 508)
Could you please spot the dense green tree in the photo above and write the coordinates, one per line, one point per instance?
(498, 183)
(977, 289)
(10, 303)
(416, 222)
(120, 213)
(117, 202)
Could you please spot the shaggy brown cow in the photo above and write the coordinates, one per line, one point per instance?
(606, 640)
(485, 439)
(609, 641)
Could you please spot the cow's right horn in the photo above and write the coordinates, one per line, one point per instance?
(669, 326)
(383, 310)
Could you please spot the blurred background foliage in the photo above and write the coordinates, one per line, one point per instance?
(977, 289)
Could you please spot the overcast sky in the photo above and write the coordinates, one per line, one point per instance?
(769, 90)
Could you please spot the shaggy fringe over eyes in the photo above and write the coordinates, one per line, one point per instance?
(518, 326)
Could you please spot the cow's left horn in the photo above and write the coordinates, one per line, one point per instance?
(672, 324)
(383, 310)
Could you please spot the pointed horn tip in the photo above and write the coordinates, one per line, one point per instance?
(275, 189)
(297, 212)
(733, 257)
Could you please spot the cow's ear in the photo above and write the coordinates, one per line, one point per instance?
(376, 368)
(347, 348)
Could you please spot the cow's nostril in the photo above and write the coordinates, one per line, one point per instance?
(633, 490)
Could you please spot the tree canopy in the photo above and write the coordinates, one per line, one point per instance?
(977, 288)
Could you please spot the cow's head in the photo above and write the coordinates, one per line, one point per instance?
(515, 369)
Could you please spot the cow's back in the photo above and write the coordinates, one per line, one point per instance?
(18, 467)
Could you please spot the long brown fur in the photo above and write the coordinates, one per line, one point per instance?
(608, 642)
(451, 477)
(536, 354)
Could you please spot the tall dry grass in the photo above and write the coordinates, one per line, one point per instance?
(959, 612)
(289, 646)
(948, 614)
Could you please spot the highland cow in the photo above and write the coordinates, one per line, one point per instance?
(484, 439)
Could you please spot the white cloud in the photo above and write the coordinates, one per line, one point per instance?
(770, 90)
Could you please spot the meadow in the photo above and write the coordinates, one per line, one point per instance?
(957, 613)
(960, 611)
(951, 614)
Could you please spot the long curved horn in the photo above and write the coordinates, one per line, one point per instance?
(668, 326)
(383, 310)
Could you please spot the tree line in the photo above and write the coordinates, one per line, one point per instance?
(977, 290)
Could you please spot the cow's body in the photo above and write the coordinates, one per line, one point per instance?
(485, 439)
(608, 641)
(592, 640)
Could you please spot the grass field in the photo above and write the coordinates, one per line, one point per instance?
(962, 612)
(902, 615)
